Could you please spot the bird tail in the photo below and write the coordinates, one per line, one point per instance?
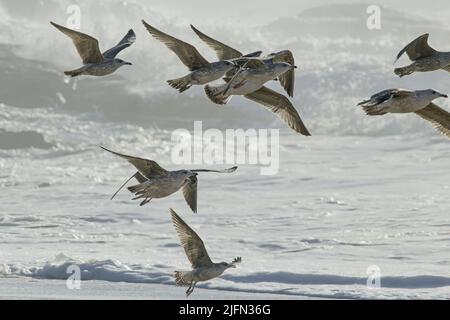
(181, 84)
(215, 94)
(373, 110)
(137, 188)
(364, 102)
(180, 278)
(403, 71)
(73, 73)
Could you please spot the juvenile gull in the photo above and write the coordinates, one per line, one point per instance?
(156, 182)
(96, 63)
(202, 71)
(225, 52)
(250, 84)
(406, 101)
(203, 268)
(425, 57)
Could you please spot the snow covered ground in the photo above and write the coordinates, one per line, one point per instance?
(361, 192)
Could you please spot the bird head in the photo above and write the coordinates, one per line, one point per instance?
(282, 67)
(439, 95)
(226, 265)
(188, 173)
(122, 62)
(433, 94)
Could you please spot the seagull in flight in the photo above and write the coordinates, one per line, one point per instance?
(407, 101)
(96, 63)
(202, 71)
(225, 52)
(249, 82)
(156, 182)
(203, 269)
(424, 57)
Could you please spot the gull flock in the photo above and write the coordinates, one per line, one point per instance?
(242, 75)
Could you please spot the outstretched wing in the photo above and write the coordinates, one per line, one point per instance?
(191, 242)
(187, 53)
(147, 168)
(281, 106)
(190, 193)
(127, 41)
(229, 170)
(439, 118)
(287, 79)
(86, 45)
(223, 51)
(417, 49)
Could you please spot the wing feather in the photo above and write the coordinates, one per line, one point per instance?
(126, 41)
(189, 191)
(287, 79)
(223, 51)
(417, 49)
(187, 53)
(439, 118)
(191, 243)
(147, 168)
(86, 45)
(281, 106)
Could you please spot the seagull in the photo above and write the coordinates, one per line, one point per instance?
(156, 182)
(225, 52)
(96, 63)
(425, 57)
(406, 101)
(202, 71)
(250, 84)
(203, 268)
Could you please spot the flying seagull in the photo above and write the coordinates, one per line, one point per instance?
(203, 268)
(225, 52)
(96, 63)
(250, 84)
(406, 101)
(202, 71)
(156, 182)
(424, 57)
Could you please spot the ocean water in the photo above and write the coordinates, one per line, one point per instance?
(337, 206)
(359, 193)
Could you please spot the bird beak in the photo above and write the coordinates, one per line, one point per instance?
(294, 67)
(444, 96)
(129, 63)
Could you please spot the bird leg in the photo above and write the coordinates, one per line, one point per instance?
(189, 291)
(146, 200)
